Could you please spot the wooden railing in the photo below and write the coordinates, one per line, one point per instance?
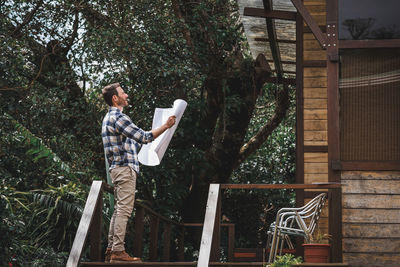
(90, 226)
(210, 247)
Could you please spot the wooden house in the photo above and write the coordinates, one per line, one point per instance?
(346, 66)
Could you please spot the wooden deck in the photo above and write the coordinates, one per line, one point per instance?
(212, 264)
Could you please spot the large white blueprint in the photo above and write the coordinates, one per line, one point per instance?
(152, 153)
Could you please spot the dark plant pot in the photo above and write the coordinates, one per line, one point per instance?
(318, 253)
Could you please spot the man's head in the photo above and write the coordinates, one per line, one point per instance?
(115, 96)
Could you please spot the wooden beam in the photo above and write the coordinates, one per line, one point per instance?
(263, 39)
(366, 165)
(276, 55)
(272, 14)
(369, 43)
(311, 23)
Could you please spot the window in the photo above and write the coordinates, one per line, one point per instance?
(369, 88)
(369, 19)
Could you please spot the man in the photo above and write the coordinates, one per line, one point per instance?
(122, 140)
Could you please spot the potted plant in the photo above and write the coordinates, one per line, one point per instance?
(317, 250)
(286, 260)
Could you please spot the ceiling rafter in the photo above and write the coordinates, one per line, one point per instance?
(276, 56)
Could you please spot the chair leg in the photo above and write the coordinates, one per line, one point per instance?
(272, 251)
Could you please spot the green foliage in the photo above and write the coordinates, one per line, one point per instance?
(286, 260)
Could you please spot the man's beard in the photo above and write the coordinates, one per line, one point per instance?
(122, 102)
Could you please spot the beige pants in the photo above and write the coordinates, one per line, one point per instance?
(124, 180)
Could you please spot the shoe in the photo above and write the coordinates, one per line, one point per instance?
(108, 255)
(122, 256)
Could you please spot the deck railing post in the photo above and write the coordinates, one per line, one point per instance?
(166, 242)
(215, 248)
(95, 230)
(208, 226)
(231, 242)
(335, 224)
(181, 248)
(153, 248)
(139, 227)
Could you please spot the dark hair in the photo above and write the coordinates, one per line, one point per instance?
(109, 91)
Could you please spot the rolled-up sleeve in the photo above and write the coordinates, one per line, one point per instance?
(126, 127)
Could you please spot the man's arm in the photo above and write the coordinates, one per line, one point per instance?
(168, 124)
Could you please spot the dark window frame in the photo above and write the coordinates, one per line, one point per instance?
(337, 164)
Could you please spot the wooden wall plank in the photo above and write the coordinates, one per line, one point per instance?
(315, 92)
(315, 72)
(377, 186)
(371, 230)
(315, 82)
(315, 103)
(315, 143)
(315, 167)
(316, 157)
(315, 55)
(375, 245)
(311, 44)
(316, 8)
(315, 125)
(315, 135)
(323, 177)
(372, 259)
(315, 114)
(371, 201)
(371, 216)
(367, 175)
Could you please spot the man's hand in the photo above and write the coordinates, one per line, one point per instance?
(170, 122)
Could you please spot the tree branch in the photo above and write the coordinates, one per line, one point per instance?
(28, 18)
(282, 105)
(186, 32)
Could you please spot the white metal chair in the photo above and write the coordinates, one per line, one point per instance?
(294, 221)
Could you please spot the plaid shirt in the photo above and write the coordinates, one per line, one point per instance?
(122, 139)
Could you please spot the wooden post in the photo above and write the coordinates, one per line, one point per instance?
(299, 121)
(181, 240)
(335, 215)
(215, 248)
(335, 224)
(231, 242)
(139, 227)
(95, 230)
(166, 242)
(153, 248)
(208, 228)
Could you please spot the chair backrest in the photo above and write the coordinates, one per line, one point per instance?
(310, 213)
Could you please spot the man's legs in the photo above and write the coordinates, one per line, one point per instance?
(124, 180)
